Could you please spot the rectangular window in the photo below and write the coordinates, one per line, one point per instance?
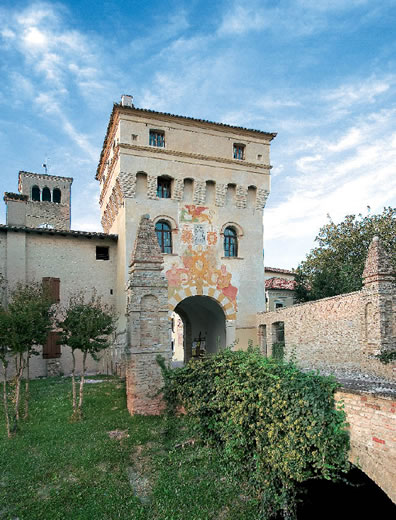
(51, 348)
(102, 253)
(163, 188)
(239, 151)
(51, 286)
(157, 138)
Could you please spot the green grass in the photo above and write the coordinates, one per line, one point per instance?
(55, 469)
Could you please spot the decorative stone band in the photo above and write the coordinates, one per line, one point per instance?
(127, 186)
(229, 308)
(263, 167)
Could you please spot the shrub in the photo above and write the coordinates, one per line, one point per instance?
(275, 423)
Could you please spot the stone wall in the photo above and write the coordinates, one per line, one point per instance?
(372, 428)
(343, 333)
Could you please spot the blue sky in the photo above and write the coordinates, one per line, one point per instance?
(320, 73)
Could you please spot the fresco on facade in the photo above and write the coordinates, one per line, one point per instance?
(199, 265)
(192, 213)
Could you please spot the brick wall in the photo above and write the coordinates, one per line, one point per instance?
(344, 333)
(372, 428)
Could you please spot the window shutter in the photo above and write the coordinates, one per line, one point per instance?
(51, 349)
(52, 286)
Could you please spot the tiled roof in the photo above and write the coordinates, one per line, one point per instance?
(62, 232)
(277, 270)
(280, 283)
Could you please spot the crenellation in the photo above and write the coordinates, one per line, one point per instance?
(152, 187)
(261, 198)
(178, 189)
(241, 196)
(199, 196)
(221, 193)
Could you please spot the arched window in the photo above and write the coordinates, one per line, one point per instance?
(230, 242)
(36, 193)
(46, 195)
(56, 195)
(164, 235)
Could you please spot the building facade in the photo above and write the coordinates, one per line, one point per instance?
(199, 188)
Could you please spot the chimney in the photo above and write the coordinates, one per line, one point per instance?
(127, 101)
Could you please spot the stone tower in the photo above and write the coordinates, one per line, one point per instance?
(204, 186)
(43, 201)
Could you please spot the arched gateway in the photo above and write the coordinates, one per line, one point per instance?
(204, 328)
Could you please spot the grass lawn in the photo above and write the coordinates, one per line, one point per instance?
(54, 469)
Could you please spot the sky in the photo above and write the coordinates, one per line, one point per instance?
(322, 74)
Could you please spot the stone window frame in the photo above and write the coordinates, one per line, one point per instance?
(164, 187)
(239, 235)
(239, 151)
(157, 138)
(165, 242)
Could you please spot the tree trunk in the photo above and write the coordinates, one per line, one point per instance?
(5, 398)
(80, 401)
(20, 366)
(74, 384)
(27, 386)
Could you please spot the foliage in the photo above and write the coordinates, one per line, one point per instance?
(278, 350)
(336, 265)
(57, 470)
(275, 423)
(86, 326)
(23, 327)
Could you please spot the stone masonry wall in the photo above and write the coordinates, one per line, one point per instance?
(372, 429)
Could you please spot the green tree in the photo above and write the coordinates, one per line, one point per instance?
(24, 326)
(87, 327)
(336, 265)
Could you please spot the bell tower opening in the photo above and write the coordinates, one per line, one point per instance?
(199, 328)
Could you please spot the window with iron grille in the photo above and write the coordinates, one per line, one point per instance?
(164, 235)
(157, 138)
(164, 188)
(239, 151)
(230, 242)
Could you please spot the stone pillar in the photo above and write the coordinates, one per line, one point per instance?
(378, 328)
(147, 323)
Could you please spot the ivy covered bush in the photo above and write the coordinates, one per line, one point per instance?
(278, 426)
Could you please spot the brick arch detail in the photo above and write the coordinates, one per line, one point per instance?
(223, 301)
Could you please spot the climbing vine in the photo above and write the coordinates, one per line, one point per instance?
(277, 425)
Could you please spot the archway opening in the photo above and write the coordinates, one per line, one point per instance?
(199, 322)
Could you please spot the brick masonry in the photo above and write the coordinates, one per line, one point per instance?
(148, 326)
(372, 429)
(345, 332)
